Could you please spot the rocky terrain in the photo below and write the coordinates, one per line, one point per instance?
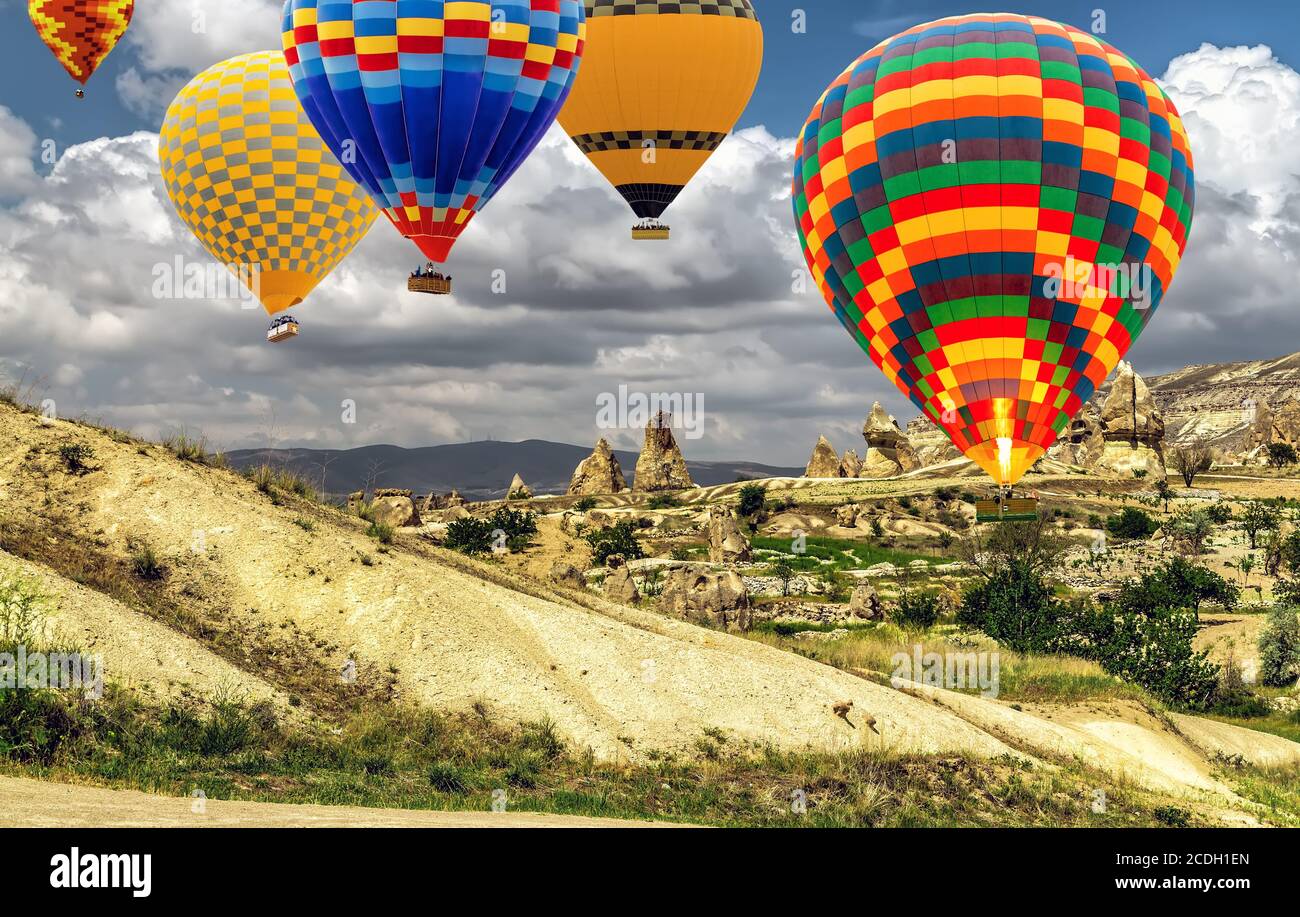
(1235, 406)
(760, 612)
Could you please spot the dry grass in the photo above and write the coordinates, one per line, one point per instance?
(1027, 678)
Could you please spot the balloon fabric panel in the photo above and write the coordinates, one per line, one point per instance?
(252, 179)
(951, 185)
(80, 33)
(432, 106)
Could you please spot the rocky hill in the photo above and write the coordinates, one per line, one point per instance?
(1223, 402)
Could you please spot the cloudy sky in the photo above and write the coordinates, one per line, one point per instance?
(84, 221)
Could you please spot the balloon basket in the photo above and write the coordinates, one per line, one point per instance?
(1006, 509)
(650, 230)
(282, 331)
(437, 286)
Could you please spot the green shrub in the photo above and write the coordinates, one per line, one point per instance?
(586, 504)
(76, 457)
(1131, 524)
(1279, 648)
(752, 498)
(1218, 512)
(514, 523)
(619, 538)
(663, 501)
(1153, 649)
(915, 610)
(1015, 606)
(381, 532)
(1178, 583)
(470, 535)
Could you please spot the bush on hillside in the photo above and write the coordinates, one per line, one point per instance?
(469, 536)
(1131, 524)
(1279, 648)
(752, 498)
(619, 538)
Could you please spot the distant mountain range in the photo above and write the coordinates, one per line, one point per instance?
(480, 470)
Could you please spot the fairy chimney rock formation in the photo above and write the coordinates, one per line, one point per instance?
(889, 452)
(598, 473)
(850, 465)
(661, 466)
(825, 461)
(727, 543)
(1132, 427)
(519, 490)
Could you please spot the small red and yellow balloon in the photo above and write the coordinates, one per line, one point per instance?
(81, 33)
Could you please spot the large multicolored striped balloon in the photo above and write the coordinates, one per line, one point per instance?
(80, 33)
(994, 205)
(432, 105)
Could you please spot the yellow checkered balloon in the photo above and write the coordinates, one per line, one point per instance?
(251, 178)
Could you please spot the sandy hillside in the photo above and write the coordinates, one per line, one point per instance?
(452, 632)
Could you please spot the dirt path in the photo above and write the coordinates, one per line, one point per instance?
(28, 803)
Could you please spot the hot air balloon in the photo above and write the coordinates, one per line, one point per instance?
(432, 106)
(80, 32)
(993, 206)
(251, 178)
(662, 84)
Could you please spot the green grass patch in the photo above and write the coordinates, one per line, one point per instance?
(824, 553)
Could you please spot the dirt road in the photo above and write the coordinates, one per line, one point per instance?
(28, 803)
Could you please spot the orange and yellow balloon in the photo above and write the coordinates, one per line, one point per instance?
(253, 181)
(993, 206)
(80, 33)
(662, 84)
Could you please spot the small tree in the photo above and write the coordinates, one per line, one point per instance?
(783, 571)
(1164, 491)
(1260, 516)
(1191, 529)
(1281, 454)
(1279, 648)
(1289, 551)
(1192, 459)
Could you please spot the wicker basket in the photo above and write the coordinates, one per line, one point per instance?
(434, 285)
(642, 235)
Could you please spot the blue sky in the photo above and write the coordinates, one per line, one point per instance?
(587, 310)
(797, 67)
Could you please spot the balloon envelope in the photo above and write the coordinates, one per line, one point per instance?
(662, 84)
(432, 106)
(251, 178)
(80, 33)
(993, 206)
